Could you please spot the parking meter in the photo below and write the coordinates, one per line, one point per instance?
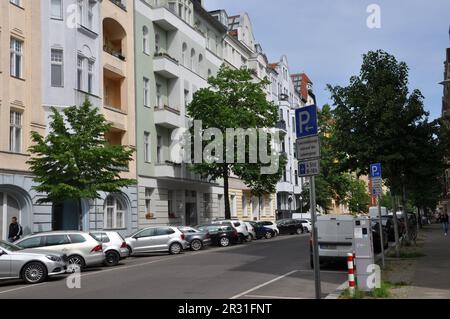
(365, 257)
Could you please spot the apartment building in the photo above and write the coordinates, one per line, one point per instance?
(242, 51)
(20, 109)
(283, 93)
(178, 46)
(445, 202)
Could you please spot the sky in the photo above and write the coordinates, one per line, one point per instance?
(327, 38)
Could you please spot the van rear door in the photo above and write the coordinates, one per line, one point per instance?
(335, 235)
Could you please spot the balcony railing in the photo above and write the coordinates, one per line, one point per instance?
(114, 52)
(166, 55)
(167, 108)
(120, 4)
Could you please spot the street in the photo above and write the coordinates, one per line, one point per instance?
(265, 269)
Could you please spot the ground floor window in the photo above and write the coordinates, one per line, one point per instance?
(114, 213)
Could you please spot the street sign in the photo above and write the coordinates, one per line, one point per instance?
(375, 170)
(308, 148)
(309, 168)
(377, 186)
(306, 121)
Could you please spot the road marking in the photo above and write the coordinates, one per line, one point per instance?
(152, 262)
(271, 297)
(264, 284)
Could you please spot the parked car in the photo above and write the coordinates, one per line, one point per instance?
(221, 235)
(263, 231)
(251, 230)
(307, 226)
(157, 239)
(240, 227)
(81, 248)
(290, 227)
(114, 246)
(388, 225)
(271, 225)
(196, 238)
(376, 237)
(31, 265)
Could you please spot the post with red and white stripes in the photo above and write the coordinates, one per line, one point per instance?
(351, 274)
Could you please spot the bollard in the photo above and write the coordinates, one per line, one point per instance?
(351, 274)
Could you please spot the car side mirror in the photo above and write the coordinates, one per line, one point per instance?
(2, 252)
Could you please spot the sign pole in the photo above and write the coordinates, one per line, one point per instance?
(381, 231)
(315, 243)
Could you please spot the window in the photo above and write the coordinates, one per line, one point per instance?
(233, 205)
(159, 149)
(16, 56)
(33, 242)
(145, 40)
(114, 213)
(77, 239)
(170, 204)
(90, 76)
(146, 92)
(183, 54)
(15, 132)
(192, 61)
(57, 68)
(157, 43)
(56, 240)
(80, 64)
(244, 204)
(148, 200)
(186, 98)
(101, 237)
(147, 151)
(146, 233)
(158, 96)
(296, 178)
(56, 9)
(80, 12)
(91, 15)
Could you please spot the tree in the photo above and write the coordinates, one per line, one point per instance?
(378, 119)
(74, 161)
(234, 100)
(358, 200)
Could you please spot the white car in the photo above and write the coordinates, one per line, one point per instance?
(239, 225)
(251, 230)
(306, 224)
(271, 225)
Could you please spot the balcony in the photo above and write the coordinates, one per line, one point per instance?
(165, 18)
(112, 89)
(114, 39)
(281, 125)
(168, 117)
(168, 170)
(166, 66)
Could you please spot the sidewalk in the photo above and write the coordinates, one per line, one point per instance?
(428, 276)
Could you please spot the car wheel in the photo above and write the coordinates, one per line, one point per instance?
(76, 261)
(130, 251)
(268, 235)
(175, 249)
(299, 231)
(224, 242)
(34, 273)
(112, 258)
(196, 245)
(249, 238)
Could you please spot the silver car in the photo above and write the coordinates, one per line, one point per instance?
(157, 239)
(114, 246)
(80, 247)
(30, 265)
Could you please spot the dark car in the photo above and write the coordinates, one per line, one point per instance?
(221, 235)
(262, 231)
(197, 239)
(388, 225)
(290, 227)
(376, 237)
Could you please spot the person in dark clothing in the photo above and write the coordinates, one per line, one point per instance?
(15, 230)
(444, 219)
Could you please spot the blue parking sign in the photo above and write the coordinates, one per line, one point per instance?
(306, 121)
(375, 170)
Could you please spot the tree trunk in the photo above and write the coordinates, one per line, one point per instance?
(405, 215)
(226, 192)
(396, 234)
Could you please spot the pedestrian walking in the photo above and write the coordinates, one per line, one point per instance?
(444, 219)
(15, 230)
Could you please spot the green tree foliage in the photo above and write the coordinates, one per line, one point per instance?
(74, 161)
(234, 100)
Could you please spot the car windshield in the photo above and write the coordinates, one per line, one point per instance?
(9, 246)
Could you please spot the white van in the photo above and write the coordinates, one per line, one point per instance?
(373, 212)
(335, 236)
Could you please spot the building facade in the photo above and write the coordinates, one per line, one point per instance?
(178, 46)
(445, 202)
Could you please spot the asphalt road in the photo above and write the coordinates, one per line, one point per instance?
(277, 268)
